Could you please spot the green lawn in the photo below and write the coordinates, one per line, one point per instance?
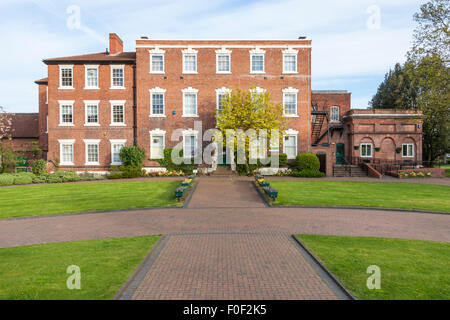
(39, 271)
(410, 269)
(83, 197)
(365, 194)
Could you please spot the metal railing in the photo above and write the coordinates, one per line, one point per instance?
(384, 166)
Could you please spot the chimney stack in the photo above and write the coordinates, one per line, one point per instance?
(115, 44)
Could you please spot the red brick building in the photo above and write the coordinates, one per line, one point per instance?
(92, 105)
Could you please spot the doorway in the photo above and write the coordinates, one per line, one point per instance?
(340, 153)
(323, 162)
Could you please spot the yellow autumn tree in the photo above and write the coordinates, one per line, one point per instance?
(246, 110)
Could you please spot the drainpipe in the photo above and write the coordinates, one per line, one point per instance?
(134, 107)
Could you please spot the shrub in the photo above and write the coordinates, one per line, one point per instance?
(283, 159)
(40, 179)
(132, 156)
(131, 172)
(39, 167)
(308, 173)
(53, 178)
(307, 161)
(23, 178)
(86, 176)
(6, 179)
(167, 162)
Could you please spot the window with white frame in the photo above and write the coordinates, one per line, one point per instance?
(223, 61)
(117, 77)
(117, 113)
(91, 77)
(66, 77)
(92, 152)
(221, 94)
(189, 145)
(290, 61)
(256, 93)
(190, 61)
(290, 102)
(334, 117)
(366, 150)
(66, 152)
(190, 102)
(408, 150)
(91, 113)
(257, 58)
(157, 60)
(116, 146)
(157, 106)
(290, 144)
(258, 148)
(157, 144)
(66, 113)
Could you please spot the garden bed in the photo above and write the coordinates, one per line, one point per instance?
(418, 173)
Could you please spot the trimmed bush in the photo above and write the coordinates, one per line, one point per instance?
(6, 179)
(23, 178)
(54, 179)
(307, 161)
(283, 159)
(308, 173)
(131, 172)
(39, 167)
(67, 176)
(40, 179)
(132, 156)
(167, 162)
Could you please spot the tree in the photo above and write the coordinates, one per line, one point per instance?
(247, 111)
(7, 156)
(5, 124)
(432, 79)
(396, 91)
(432, 35)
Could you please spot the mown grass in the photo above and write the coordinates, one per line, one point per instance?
(39, 272)
(410, 269)
(85, 197)
(363, 194)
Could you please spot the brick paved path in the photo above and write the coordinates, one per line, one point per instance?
(231, 266)
(227, 244)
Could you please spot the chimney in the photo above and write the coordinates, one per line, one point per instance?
(115, 44)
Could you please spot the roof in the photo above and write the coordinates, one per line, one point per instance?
(24, 125)
(124, 57)
(42, 81)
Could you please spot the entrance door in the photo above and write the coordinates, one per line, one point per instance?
(323, 162)
(224, 163)
(340, 153)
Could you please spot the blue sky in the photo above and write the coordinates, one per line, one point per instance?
(352, 48)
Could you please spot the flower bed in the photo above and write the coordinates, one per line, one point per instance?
(419, 173)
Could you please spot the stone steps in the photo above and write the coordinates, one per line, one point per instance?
(348, 171)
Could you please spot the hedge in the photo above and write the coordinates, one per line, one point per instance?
(307, 161)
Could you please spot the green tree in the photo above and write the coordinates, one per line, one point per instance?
(431, 76)
(244, 110)
(396, 91)
(432, 35)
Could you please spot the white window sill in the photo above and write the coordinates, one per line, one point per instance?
(223, 72)
(66, 88)
(366, 157)
(157, 72)
(408, 157)
(189, 116)
(66, 164)
(290, 72)
(290, 116)
(118, 125)
(66, 125)
(334, 121)
(257, 72)
(157, 116)
(92, 164)
(116, 163)
(117, 88)
(190, 72)
(91, 88)
(92, 125)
